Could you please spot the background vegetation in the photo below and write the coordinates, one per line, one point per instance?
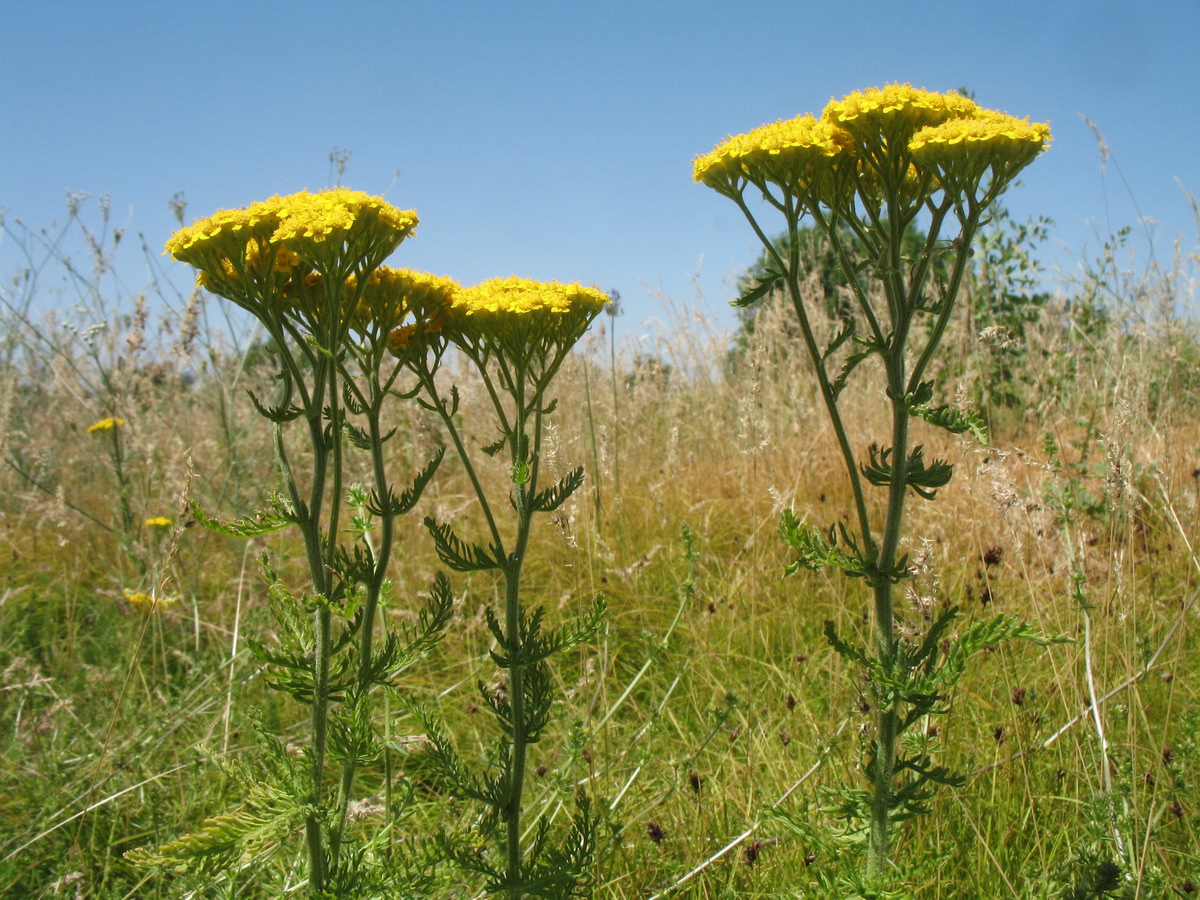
(710, 714)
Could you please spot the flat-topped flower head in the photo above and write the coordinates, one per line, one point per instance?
(248, 255)
(341, 230)
(795, 154)
(233, 252)
(523, 319)
(894, 111)
(962, 150)
(391, 296)
(226, 233)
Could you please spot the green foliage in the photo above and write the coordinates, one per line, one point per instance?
(254, 525)
(553, 497)
(1006, 297)
(923, 479)
(458, 554)
(816, 550)
(250, 836)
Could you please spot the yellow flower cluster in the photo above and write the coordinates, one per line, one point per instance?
(390, 295)
(149, 603)
(256, 221)
(782, 153)
(520, 296)
(248, 254)
(893, 109)
(523, 318)
(302, 218)
(306, 219)
(917, 140)
(991, 137)
(106, 424)
(157, 522)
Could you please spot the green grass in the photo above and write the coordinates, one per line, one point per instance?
(711, 698)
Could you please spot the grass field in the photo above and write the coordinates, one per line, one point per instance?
(710, 721)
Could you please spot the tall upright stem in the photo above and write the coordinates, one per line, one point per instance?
(887, 719)
(379, 562)
(512, 624)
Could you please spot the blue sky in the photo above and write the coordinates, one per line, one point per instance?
(554, 140)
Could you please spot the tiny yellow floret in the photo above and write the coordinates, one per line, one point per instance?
(106, 424)
(157, 522)
(148, 603)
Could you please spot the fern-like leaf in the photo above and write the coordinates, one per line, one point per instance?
(254, 525)
(554, 497)
(456, 553)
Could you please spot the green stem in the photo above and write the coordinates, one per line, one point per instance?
(887, 723)
(616, 438)
(789, 268)
(426, 378)
(587, 393)
(512, 622)
(380, 559)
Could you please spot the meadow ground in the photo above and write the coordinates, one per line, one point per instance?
(711, 710)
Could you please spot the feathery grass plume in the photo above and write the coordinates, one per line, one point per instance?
(308, 267)
(875, 161)
(516, 333)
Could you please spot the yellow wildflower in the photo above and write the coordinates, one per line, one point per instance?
(106, 424)
(993, 137)
(149, 603)
(894, 111)
(157, 522)
(248, 255)
(794, 154)
(523, 319)
(341, 229)
(515, 296)
(389, 295)
(227, 232)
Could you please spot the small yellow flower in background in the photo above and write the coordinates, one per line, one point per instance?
(157, 522)
(106, 424)
(148, 603)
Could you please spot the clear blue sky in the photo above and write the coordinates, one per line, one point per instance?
(554, 140)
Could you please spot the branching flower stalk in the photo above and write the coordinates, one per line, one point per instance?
(878, 164)
(516, 334)
(308, 267)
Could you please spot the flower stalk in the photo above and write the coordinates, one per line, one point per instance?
(516, 334)
(870, 168)
(309, 268)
